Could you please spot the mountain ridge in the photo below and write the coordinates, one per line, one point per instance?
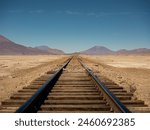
(48, 49)
(8, 47)
(97, 50)
(101, 50)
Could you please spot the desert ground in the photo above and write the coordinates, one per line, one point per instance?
(130, 71)
(19, 71)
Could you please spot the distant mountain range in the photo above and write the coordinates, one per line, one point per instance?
(134, 51)
(8, 47)
(100, 50)
(97, 50)
(49, 50)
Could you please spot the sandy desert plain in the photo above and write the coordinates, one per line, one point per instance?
(17, 72)
(130, 71)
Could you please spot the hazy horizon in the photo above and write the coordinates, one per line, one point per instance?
(76, 25)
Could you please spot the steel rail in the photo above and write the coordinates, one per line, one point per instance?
(114, 102)
(33, 104)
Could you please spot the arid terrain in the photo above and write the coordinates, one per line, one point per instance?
(18, 71)
(123, 61)
(132, 72)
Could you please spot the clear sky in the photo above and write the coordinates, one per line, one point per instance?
(74, 25)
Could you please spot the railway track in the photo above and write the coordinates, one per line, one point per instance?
(73, 88)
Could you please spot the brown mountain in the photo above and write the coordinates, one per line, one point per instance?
(134, 51)
(97, 50)
(100, 50)
(8, 47)
(50, 50)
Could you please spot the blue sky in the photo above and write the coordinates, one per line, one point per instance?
(74, 25)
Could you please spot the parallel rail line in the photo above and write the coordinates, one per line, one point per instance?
(73, 88)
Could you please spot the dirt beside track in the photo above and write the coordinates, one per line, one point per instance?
(23, 70)
(134, 79)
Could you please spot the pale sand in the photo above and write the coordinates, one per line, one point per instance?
(130, 61)
(19, 71)
(132, 72)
